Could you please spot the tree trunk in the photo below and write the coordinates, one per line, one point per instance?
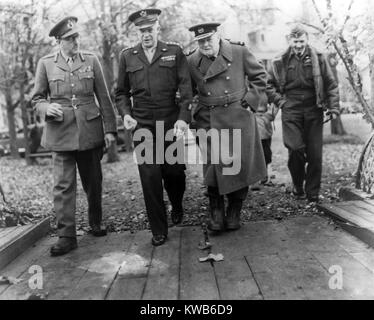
(11, 125)
(371, 65)
(25, 120)
(337, 127)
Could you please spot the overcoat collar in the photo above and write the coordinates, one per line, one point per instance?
(220, 64)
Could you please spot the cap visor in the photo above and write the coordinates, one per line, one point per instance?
(146, 25)
(203, 36)
(70, 33)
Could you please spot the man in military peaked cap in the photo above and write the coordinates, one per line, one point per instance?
(66, 85)
(220, 71)
(151, 73)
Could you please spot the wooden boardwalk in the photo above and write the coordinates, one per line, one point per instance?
(264, 260)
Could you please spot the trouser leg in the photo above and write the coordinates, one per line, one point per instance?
(89, 166)
(175, 183)
(235, 204)
(217, 210)
(293, 137)
(64, 192)
(314, 142)
(151, 179)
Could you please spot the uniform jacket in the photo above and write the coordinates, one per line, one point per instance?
(153, 86)
(81, 127)
(221, 86)
(326, 87)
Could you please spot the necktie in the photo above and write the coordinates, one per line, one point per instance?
(70, 62)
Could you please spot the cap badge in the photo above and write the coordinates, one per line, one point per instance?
(143, 13)
(201, 30)
(70, 24)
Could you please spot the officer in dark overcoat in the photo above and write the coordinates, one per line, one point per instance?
(150, 75)
(66, 85)
(230, 84)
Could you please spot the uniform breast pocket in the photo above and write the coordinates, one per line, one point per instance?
(308, 69)
(291, 73)
(168, 73)
(87, 80)
(136, 76)
(56, 83)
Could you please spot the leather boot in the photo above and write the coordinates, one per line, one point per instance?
(217, 212)
(233, 214)
(63, 246)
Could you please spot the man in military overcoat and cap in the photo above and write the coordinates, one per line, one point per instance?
(230, 84)
(76, 130)
(149, 78)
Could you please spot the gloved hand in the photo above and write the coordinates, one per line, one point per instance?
(333, 114)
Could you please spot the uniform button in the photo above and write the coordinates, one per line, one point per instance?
(227, 78)
(211, 107)
(71, 74)
(72, 85)
(229, 64)
(226, 92)
(209, 93)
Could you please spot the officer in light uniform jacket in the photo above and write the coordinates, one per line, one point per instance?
(66, 85)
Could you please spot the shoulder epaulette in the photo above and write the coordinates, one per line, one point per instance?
(51, 55)
(87, 53)
(239, 43)
(191, 52)
(171, 43)
(126, 49)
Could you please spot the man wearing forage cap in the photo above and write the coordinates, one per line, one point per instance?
(302, 84)
(66, 85)
(221, 71)
(149, 77)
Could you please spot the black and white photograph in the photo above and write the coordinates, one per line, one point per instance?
(186, 154)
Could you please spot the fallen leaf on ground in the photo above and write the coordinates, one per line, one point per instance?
(212, 257)
(9, 280)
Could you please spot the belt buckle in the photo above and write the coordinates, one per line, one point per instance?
(74, 102)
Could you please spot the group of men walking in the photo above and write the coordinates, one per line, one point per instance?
(229, 84)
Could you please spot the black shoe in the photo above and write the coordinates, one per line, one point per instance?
(159, 240)
(177, 215)
(233, 214)
(63, 246)
(98, 231)
(299, 194)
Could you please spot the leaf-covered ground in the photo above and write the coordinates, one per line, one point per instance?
(28, 191)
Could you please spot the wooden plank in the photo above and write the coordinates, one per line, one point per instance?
(197, 280)
(234, 276)
(19, 267)
(54, 269)
(364, 205)
(100, 268)
(22, 241)
(163, 277)
(131, 279)
(348, 194)
(274, 279)
(358, 211)
(357, 279)
(14, 233)
(346, 216)
(5, 231)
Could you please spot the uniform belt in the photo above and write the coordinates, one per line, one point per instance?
(222, 100)
(74, 101)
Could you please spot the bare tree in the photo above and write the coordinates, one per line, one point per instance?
(22, 44)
